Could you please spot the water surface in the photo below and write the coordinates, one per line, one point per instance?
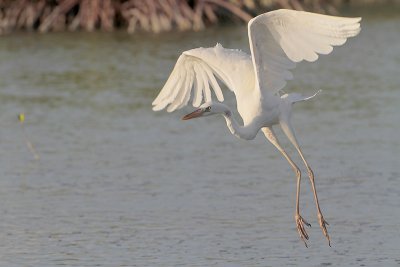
(120, 185)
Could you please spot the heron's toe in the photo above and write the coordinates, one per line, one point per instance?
(300, 222)
(323, 224)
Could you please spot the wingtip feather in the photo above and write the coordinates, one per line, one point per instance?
(157, 108)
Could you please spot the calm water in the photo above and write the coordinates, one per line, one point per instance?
(120, 185)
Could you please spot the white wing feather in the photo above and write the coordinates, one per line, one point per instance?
(197, 69)
(280, 38)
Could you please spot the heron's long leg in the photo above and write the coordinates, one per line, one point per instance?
(269, 133)
(288, 130)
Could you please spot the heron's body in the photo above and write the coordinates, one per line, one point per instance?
(278, 40)
(257, 108)
(239, 65)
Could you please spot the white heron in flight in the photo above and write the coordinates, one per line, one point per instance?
(278, 40)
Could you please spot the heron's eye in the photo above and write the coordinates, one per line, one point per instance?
(208, 109)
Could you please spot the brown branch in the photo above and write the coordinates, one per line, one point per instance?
(149, 15)
(107, 15)
(209, 11)
(62, 8)
(154, 20)
(166, 22)
(182, 22)
(297, 5)
(198, 23)
(232, 8)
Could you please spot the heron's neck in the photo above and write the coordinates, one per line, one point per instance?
(247, 132)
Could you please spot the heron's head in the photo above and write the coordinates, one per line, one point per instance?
(208, 109)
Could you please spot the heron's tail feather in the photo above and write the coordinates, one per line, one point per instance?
(296, 97)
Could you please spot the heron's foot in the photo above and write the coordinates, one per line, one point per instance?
(300, 222)
(323, 225)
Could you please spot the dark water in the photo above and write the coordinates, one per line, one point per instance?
(120, 185)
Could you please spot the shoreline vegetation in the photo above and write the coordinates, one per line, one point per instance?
(142, 15)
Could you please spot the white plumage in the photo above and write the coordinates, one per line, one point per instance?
(278, 40)
(199, 68)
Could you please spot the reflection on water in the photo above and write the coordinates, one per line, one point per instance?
(119, 185)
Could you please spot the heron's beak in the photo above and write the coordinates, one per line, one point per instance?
(195, 114)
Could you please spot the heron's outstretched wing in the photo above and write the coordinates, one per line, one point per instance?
(280, 38)
(196, 71)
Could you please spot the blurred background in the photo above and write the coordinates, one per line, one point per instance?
(91, 176)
